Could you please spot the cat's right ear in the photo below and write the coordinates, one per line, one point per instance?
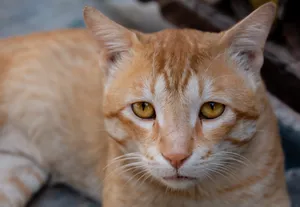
(246, 39)
(112, 37)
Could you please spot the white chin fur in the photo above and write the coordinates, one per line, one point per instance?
(178, 184)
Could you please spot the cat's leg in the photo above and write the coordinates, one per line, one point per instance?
(20, 178)
(21, 174)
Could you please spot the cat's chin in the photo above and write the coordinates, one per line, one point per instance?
(179, 182)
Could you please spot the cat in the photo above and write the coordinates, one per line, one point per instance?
(174, 118)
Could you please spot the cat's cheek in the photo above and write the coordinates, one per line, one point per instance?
(244, 130)
(115, 129)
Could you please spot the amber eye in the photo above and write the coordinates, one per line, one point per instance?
(143, 110)
(211, 110)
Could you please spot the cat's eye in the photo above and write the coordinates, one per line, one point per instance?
(143, 110)
(211, 110)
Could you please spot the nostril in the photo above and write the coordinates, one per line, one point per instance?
(176, 159)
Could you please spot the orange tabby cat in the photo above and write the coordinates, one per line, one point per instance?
(174, 118)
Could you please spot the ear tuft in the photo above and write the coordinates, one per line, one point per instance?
(246, 40)
(111, 36)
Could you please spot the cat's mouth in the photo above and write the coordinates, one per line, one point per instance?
(179, 178)
(178, 181)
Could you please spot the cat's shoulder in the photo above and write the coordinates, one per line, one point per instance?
(35, 44)
(45, 46)
(34, 38)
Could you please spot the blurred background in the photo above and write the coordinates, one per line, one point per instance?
(19, 17)
(281, 70)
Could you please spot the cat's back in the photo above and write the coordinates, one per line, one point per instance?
(21, 50)
(41, 39)
(50, 75)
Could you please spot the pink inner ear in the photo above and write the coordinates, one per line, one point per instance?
(250, 56)
(112, 58)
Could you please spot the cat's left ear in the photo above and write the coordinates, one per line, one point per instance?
(112, 37)
(246, 40)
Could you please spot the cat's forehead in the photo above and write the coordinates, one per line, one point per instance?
(179, 66)
(174, 71)
(177, 55)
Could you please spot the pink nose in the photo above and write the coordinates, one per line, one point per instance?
(177, 159)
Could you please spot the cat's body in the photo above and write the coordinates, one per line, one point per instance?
(44, 76)
(61, 115)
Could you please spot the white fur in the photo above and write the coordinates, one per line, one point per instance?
(164, 169)
(147, 95)
(192, 94)
(207, 90)
(243, 130)
(160, 96)
(189, 166)
(209, 94)
(251, 76)
(152, 151)
(251, 37)
(115, 128)
(111, 35)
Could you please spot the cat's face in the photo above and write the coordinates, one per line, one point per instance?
(181, 106)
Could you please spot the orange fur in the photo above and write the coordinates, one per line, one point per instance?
(76, 117)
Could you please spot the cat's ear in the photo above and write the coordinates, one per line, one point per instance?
(246, 40)
(112, 37)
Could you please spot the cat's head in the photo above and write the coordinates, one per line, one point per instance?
(182, 104)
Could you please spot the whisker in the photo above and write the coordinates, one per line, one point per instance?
(211, 62)
(241, 157)
(124, 168)
(127, 156)
(218, 172)
(123, 156)
(225, 169)
(209, 177)
(234, 155)
(145, 177)
(134, 176)
(120, 160)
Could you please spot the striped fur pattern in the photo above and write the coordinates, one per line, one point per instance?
(21, 172)
(65, 109)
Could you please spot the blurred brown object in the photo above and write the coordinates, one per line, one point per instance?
(281, 70)
(257, 3)
(291, 27)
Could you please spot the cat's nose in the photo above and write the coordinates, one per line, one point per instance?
(176, 159)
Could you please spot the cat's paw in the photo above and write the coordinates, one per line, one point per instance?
(19, 180)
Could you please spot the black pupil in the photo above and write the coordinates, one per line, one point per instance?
(212, 105)
(144, 105)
